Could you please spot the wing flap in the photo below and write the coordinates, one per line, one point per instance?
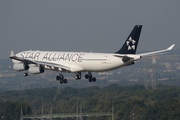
(53, 66)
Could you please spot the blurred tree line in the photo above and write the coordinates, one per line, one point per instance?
(12, 110)
(130, 102)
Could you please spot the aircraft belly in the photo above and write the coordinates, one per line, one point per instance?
(100, 66)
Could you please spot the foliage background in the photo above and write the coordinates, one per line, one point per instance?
(130, 102)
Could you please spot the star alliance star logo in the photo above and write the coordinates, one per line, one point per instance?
(131, 44)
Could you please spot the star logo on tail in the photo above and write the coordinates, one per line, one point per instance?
(131, 44)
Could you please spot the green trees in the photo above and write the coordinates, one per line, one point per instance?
(12, 110)
(130, 102)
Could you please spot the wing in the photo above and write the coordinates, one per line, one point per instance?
(49, 65)
(53, 66)
(156, 52)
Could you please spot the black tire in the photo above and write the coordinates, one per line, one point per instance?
(57, 78)
(77, 77)
(61, 77)
(90, 79)
(86, 76)
(94, 79)
(65, 81)
(25, 74)
(61, 81)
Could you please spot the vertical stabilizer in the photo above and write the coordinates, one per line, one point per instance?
(131, 43)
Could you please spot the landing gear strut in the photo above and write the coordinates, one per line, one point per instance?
(61, 79)
(90, 77)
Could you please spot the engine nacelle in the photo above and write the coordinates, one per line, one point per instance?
(132, 63)
(20, 66)
(36, 70)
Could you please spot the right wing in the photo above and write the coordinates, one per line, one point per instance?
(156, 52)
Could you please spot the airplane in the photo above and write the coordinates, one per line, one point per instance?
(36, 62)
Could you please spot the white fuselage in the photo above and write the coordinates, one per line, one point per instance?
(76, 61)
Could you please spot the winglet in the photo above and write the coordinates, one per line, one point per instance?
(171, 47)
(12, 54)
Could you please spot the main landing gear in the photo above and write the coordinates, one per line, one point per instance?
(90, 77)
(61, 79)
(87, 76)
(77, 76)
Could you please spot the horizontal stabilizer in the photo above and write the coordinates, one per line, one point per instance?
(127, 57)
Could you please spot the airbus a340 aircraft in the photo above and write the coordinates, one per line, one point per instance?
(37, 62)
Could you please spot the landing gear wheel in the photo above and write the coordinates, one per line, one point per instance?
(77, 76)
(90, 79)
(65, 81)
(94, 79)
(61, 77)
(86, 76)
(25, 74)
(57, 78)
(61, 81)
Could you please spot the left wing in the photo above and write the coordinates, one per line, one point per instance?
(52, 66)
(12, 56)
(156, 52)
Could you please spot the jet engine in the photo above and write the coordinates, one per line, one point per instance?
(36, 69)
(20, 66)
(131, 63)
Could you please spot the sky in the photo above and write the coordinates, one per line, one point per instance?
(86, 25)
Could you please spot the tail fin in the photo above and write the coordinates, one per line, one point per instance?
(131, 43)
